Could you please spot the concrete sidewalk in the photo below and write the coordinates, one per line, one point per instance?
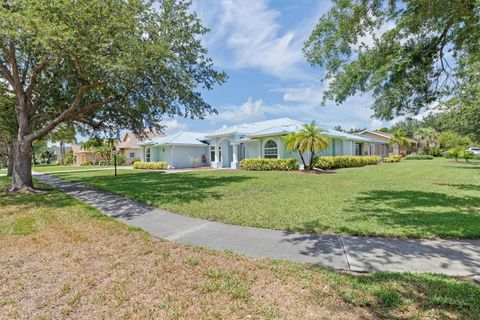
(451, 257)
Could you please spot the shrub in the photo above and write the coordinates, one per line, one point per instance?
(434, 151)
(415, 156)
(269, 164)
(150, 165)
(120, 160)
(69, 159)
(392, 158)
(87, 163)
(336, 162)
(135, 160)
(450, 140)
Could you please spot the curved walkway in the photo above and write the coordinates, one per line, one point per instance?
(451, 257)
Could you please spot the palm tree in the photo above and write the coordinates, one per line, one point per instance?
(427, 136)
(291, 145)
(310, 138)
(400, 138)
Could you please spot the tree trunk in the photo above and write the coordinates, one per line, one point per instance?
(22, 167)
(11, 158)
(310, 165)
(62, 152)
(303, 160)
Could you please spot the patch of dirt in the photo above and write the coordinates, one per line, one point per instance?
(101, 270)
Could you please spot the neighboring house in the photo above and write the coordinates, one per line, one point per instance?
(57, 152)
(264, 139)
(129, 146)
(177, 149)
(81, 155)
(380, 145)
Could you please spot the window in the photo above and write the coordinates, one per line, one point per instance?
(357, 149)
(147, 155)
(271, 150)
(131, 155)
(212, 153)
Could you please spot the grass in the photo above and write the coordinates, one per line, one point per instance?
(60, 258)
(53, 168)
(415, 198)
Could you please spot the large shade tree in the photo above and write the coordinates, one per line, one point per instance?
(101, 64)
(407, 54)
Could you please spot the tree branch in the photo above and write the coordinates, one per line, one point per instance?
(33, 79)
(67, 114)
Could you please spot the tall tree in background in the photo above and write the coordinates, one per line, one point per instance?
(400, 138)
(418, 51)
(8, 126)
(103, 65)
(427, 136)
(64, 133)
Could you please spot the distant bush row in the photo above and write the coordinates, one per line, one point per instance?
(150, 165)
(253, 164)
(392, 158)
(419, 157)
(337, 162)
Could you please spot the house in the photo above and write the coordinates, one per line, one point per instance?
(129, 145)
(179, 150)
(263, 139)
(83, 156)
(380, 143)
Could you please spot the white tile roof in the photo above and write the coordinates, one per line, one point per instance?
(278, 127)
(250, 128)
(183, 137)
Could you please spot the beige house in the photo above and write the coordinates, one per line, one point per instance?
(83, 156)
(380, 144)
(129, 146)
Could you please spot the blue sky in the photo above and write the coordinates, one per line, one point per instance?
(259, 45)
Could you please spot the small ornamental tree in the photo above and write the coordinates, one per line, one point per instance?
(455, 152)
(101, 65)
(467, 155)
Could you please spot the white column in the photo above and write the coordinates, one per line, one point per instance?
(234, 164)
(216, 164)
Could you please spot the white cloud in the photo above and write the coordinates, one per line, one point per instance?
(251, 34)
(248, 111)
(173, 126)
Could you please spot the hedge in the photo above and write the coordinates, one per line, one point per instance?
(253, 164)
(392, 158)
(150, 165)
(419, 157)
(336, 162)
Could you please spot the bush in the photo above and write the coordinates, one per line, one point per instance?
(150, 165)
(69, 159)
(269, 164)
(120, 160)
(450, 140)
(135, 160)
(336, 162)
(87, 163)
(434, 151)
(392, 158)
(415, 156)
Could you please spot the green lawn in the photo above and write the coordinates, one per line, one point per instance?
(53, 168)
(415, 198)
(60, 258)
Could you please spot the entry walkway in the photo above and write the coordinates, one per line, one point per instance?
(451, 257)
